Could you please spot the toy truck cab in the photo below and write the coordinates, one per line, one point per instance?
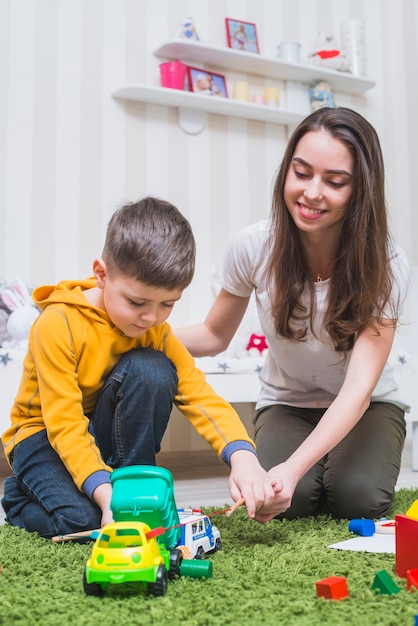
(198, 534)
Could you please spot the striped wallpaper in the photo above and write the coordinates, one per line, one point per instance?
(70, 153)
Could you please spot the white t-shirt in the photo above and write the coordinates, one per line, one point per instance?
(306, 373)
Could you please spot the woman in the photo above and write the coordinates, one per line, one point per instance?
(329, 282)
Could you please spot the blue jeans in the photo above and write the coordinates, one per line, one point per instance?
(128, 423)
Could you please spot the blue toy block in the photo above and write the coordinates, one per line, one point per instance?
(363, 527)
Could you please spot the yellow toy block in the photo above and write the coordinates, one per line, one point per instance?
(413, 510)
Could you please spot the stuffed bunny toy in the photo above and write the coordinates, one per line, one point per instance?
(23, 313)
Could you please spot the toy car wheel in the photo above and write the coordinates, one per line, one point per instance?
(159, 588)
(218, 546)
(176, 558)
(91, 589)
(200, 553)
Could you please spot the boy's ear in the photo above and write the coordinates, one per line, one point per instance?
(100, 272)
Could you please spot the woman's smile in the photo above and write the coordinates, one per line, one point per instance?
(310, 213)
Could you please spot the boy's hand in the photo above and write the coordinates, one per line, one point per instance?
(102, 496)
(250, 481)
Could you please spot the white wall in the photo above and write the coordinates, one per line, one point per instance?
(70, 153)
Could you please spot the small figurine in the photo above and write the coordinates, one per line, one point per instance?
(321, 96)
(188, 30)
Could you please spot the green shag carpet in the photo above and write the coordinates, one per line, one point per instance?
(264, 575)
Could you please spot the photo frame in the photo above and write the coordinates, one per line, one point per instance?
(242, 35)
(207, 83)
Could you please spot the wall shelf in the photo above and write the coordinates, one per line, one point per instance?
(192, 107)
(208, 104)
(250, 63)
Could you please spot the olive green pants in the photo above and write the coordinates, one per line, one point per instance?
(356, 479)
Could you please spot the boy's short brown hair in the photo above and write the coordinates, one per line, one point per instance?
(151, 241)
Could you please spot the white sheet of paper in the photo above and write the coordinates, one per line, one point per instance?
(376, 543)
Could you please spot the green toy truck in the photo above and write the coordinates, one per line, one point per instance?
(145, 543)
(129, 552)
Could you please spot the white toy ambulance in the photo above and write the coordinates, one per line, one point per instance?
(198, 535)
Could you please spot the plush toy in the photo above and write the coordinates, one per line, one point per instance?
(257, 345)
(4, 335)
(23, 313)
(326, 52)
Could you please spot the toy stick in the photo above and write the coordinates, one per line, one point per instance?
(83, 534)
(235, 506)
(92, 534)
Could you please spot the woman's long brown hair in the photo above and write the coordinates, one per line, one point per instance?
(361, 281)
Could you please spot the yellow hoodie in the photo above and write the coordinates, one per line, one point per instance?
(73, 346)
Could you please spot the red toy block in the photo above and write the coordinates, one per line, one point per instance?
(412, 579)
(406, 537)
(332, 588)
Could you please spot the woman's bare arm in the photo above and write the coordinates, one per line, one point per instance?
(215, 333)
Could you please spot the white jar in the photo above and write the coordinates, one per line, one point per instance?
(289, 51)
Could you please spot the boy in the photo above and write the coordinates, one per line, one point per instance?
(100, 377)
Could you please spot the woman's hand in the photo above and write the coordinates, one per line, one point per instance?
(284, 487)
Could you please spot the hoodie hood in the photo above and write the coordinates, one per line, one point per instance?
(69, 292)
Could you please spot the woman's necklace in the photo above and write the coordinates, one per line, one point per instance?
(319, 277)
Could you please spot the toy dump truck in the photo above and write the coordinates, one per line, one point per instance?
(150, 538)
(145, 493)
(129, 552)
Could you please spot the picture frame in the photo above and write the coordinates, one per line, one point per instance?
(242, 35)
(207, 83)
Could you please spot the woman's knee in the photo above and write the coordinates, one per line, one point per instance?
(348, 500)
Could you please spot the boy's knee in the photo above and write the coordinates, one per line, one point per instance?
(151, 365)
(72, 519)
(30, 515)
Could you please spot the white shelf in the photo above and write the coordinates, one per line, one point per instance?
(250, 63)
(192, 107)
(209, 104)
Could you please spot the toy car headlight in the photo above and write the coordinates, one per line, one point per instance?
(100, 559)
(136, 557)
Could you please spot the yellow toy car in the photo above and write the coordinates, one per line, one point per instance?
(123, 553)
